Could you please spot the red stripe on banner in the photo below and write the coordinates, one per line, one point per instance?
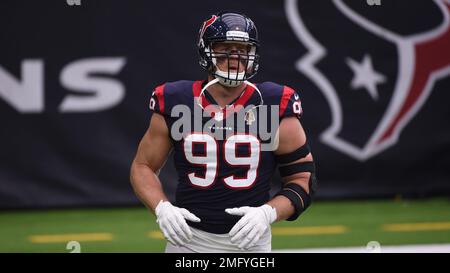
(430, 56)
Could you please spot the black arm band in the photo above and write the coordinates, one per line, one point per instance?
(292, 156)
(299, 198)
(299, 167)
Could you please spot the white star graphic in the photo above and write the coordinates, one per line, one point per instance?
(365, 76)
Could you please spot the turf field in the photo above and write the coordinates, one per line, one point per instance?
(325, 224)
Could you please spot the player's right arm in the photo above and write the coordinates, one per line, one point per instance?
(152, 152)
(151, 155)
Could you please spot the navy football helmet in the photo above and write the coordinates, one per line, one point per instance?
(229, 27)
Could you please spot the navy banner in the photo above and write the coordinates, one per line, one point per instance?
(76, 78)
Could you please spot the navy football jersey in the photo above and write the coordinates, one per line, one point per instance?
(226, 165)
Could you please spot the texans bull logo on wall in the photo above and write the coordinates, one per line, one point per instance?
(372, 59)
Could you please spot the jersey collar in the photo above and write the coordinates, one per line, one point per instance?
(211, 106)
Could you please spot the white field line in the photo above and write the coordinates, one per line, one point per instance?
(433, 248)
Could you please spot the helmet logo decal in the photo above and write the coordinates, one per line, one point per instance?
(206, 24)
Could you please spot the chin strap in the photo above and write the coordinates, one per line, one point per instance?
(257, 90)
(199, 99)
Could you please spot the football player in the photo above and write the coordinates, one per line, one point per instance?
(224, 169)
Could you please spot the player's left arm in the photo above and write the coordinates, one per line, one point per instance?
(296, 168)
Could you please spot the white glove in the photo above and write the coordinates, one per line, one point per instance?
(247, 231)
(171, 220)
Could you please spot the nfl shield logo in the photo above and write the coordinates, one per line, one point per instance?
(249, 117)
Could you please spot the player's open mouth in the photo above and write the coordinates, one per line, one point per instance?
(234, 68)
